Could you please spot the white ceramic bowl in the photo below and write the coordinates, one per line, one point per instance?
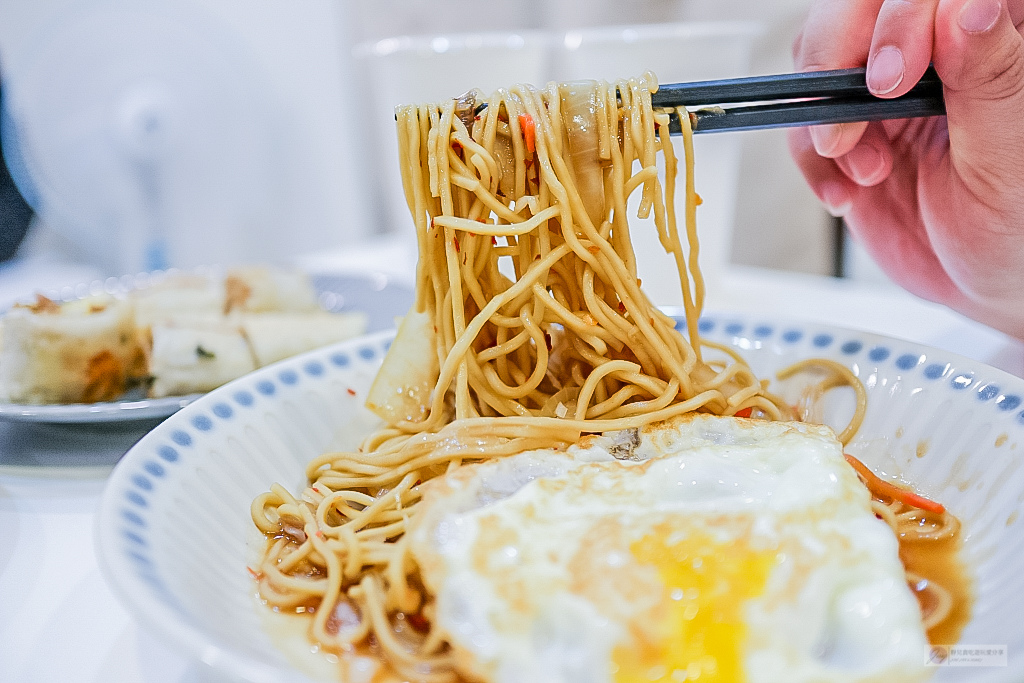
(175, 536)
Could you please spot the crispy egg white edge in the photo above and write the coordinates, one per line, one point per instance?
(869, 608)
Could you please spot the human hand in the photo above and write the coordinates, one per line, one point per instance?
(937, 202)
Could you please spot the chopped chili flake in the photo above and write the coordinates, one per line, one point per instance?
(255, 574)
(622, 308)
(639, 282)
(418, 622)
(351, 392)
(494, 240)
(594, 249)
(745, 412)
(455, 240)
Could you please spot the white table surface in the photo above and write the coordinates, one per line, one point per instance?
(58, 619)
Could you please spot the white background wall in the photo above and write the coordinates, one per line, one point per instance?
(304, 93)
(302, 49)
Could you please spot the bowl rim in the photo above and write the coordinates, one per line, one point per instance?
(138, 597)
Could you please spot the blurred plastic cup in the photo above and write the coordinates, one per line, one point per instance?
(675, 52)
(410, 70)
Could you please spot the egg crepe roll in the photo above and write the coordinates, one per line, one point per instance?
(258, 289)
(188, 359)
(72, 352)
(276, 336)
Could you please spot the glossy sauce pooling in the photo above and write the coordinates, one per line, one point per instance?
(939, 561)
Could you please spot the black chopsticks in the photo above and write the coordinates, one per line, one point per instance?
(807, 99)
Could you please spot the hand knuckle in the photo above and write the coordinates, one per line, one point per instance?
(1002, 75)
(1007, 81)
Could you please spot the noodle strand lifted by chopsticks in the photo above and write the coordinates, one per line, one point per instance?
(529, 329)
(532, 329)
(526, 268)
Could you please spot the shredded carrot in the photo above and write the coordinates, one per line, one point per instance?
(236, 293)
(43, 304)
(105, 378)
(529, 132)
(883, 488)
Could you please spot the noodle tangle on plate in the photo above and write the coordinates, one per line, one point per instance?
(530, 328)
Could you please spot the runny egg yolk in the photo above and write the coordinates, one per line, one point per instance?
(700, 626)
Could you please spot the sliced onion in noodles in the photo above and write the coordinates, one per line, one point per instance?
(579, 116)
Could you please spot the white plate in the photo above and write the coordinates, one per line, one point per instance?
(132, 406)
(380, 297)
(175, 535)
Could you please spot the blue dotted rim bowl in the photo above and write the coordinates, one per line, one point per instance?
(946, 424)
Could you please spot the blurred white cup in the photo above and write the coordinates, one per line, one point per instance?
(675, 52)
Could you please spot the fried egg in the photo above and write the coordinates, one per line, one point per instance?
(705, 549)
